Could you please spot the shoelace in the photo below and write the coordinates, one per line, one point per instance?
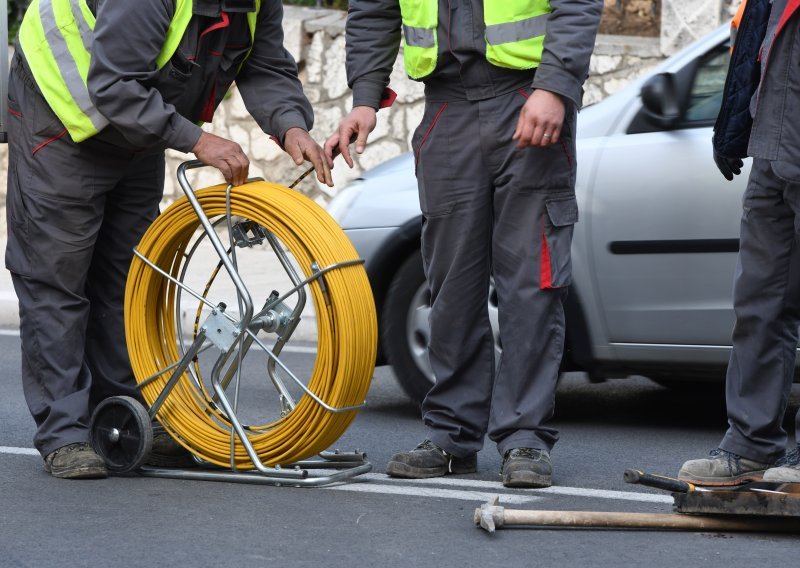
(428, 445)
(790, 458)
(77, 446)
(525, 453)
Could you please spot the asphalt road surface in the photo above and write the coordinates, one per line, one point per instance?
(375, 521)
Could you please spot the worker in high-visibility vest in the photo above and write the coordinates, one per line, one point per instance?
(760, 118)
(98, 90)
(495, 164)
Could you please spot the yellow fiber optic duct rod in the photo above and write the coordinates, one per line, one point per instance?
(347, 330)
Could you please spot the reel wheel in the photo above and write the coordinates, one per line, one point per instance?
(121, 433)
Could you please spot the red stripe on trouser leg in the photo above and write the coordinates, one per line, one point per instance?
(545, 269)
(46, 142)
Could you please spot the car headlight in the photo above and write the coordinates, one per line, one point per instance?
(340, 205)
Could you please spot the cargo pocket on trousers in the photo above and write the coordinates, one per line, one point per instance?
(558, 222)
(16, 259)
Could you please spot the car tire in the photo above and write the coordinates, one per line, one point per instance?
(403, 335)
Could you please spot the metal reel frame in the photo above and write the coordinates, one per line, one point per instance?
(243, 336)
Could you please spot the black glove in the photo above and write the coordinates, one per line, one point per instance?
(728, 166)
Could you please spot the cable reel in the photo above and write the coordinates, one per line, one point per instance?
(202, 320)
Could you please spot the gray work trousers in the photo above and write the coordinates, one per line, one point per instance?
(490, 209)
(766, 299)
(75, 213)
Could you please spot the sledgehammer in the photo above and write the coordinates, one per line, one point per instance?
(491, 516)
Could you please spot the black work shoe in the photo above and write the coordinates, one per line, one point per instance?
(75, 461)
(429, 460)
(786, 469)
(527, 467)
(166, 452)
(721, 468)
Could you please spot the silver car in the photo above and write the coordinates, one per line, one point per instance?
(653, 254)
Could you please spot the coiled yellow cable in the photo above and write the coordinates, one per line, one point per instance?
(347, 329)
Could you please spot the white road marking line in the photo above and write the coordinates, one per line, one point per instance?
(287, 348)
(434, 492)
(382, 483)
(497, 486)
(18, 451)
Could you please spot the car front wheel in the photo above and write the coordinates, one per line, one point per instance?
(406, 327)
(406, 330)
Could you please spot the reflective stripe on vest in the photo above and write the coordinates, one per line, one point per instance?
(515, 31)
(420, 18)
(56, 38)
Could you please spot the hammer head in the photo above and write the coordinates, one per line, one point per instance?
(490, 515)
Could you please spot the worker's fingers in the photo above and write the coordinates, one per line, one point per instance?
(331, 143)
(345, 132)
(225, 155)
(544, 135)
(225, 169)
(314, 154)
(240, 166)
(540, 120)
(294, 150)
(361, 140)
(524, 132)
(736, 166)
(322, 168)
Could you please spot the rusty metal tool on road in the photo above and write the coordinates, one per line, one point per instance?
(491, 516)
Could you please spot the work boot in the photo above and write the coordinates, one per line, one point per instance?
(166, 452)
(527, 467)
(722, 468)
(429, 460)
(786, 469)
(75, 461)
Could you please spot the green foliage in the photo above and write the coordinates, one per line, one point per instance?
(16, 9)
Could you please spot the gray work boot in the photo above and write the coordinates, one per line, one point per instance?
(786, 469)
(429, 460)
(722, 468)
(166, 452)
(75, 461)
(527, 467)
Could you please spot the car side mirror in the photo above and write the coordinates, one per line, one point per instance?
(660, 100)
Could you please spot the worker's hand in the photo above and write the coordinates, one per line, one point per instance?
(358, 123)
(225, 155)
(540, 120)
(300, 146)
(728, 166)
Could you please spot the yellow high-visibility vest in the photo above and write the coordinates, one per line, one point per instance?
(56, 38)
(515, 31)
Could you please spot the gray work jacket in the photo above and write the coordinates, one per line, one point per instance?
(775, 135)
(153, 109)
(373, 42)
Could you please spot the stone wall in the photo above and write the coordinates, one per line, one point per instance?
(316, 40)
